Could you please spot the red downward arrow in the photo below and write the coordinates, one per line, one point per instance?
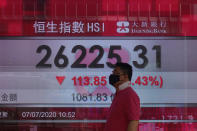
(60, 79)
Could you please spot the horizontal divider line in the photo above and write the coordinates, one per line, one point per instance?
(99, 38)
(100, 105)
(92, 121)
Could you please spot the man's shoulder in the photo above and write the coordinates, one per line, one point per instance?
(131, 93)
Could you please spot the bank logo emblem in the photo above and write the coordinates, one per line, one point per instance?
(123, 27)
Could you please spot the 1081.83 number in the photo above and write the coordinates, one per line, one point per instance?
(95, 63)
(98, 97)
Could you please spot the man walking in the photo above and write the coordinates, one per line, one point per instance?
(124, 112)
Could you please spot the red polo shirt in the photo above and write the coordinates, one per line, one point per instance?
(124, 108)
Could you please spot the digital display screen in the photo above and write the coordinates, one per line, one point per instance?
(56, 57)
(66, 80)
(77, 71)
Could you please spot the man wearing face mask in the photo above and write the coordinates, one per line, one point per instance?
(124, 112)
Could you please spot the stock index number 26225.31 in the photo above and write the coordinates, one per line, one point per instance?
(61, 60)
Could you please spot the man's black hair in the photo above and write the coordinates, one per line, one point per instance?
(126, 68)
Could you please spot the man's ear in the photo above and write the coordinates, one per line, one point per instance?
(127, 77)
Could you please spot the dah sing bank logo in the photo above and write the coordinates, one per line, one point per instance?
(123, 27)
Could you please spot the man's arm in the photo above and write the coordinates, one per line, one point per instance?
(133, 125)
